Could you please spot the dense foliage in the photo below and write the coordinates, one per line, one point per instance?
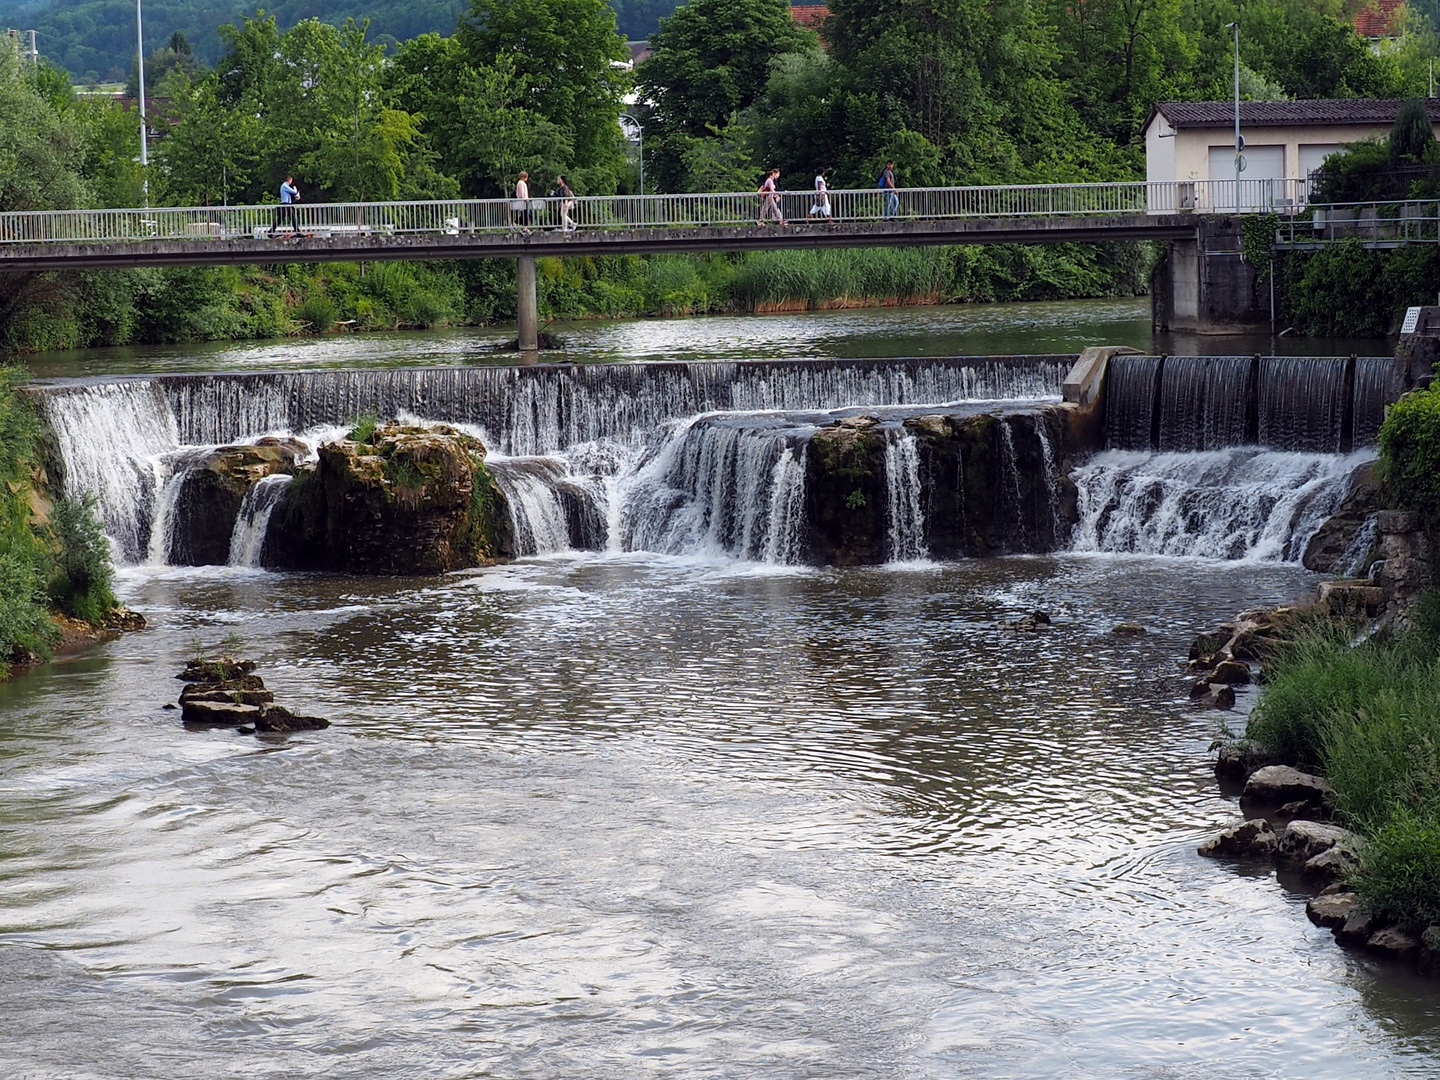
(60, 559)
(1410, 451)
(959, 91)
(1368, 717)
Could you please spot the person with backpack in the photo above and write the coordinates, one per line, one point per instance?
(820, 208)
(892, 193)
(770, 198)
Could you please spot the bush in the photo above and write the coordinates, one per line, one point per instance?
(83, 579)
(24, 559)
(1410, 451)
(1399, 876)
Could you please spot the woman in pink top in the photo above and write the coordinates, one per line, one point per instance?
(520, 208)
(770, 199)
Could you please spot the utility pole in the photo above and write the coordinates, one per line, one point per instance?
(1239, 139)
(640, 139)
(144, 135)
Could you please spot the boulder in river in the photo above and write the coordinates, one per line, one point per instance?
(1276, 785)
(225, 692)
(1303, 840)
(1331, 910)
(1240, 758)
(1253, 839)
(405, 500)
(1128, 629)
(1358, 926)
(1231, 672)
(211, 491)
(218, 713)
(1036, 620)
(1212, 695)
(1393, 943)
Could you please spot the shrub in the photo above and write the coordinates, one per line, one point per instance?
(1412, 139)
(1399, 876)
(1410, 450)
(81, 585)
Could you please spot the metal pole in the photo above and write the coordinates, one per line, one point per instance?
(1235, 26)
(144, 138)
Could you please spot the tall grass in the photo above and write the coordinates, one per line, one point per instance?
(1368, 717)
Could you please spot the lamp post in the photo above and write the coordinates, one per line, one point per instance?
(639, 138)
(144, 137)
(1239, 139)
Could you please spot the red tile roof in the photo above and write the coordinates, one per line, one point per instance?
(810, 16)
(1378, 20)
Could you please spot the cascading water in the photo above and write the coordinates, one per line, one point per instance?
(111, 438)
(904, 516)
(247, 542)
(712, 457)
(1221, 504)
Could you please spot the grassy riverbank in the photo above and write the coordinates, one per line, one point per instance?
(54, 558)
(1367, 716)
(98, 308)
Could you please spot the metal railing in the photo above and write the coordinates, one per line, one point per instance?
(733, 209)
(1376, 224)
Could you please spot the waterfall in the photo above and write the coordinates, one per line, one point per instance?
(532, 489)
(1377, 383)
(722, 483)
(247, 542)
(1052, 478)
(1204, 402)
(1302, 403)
(1220, 504)
(1010, 463)
(1130, 401)
(904, 516)
(111, 438)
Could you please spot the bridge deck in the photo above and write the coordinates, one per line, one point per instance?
(355, 246)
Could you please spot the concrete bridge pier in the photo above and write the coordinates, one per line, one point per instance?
(1204, 286)
(528, 309)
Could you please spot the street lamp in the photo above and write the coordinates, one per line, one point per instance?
(1239, 139)
(144, 139)
(639, 138)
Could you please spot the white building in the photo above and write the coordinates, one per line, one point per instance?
(1285, 141)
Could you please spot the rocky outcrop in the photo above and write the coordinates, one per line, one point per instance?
(846, 493)
(211, 491)
(995, 484)
(406, 500)
(1333, 543)
(225, 692)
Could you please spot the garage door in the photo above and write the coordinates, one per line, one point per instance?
(1262, 184)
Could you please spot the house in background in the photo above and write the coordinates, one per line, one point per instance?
(1285, 141)
(1380, 21)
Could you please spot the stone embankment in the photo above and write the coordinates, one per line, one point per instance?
(225, 692)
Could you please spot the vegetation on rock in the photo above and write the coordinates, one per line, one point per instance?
(52, 557)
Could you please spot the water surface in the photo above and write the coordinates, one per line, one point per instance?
(641, 816)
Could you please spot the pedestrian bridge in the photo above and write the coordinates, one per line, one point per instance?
(628, 225)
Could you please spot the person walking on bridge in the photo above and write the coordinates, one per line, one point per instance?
(567, 203)
(520, 207)
(820, 208)
(770, 198)
(892, 193)
(289, 196)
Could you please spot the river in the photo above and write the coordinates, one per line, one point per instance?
(618, 814)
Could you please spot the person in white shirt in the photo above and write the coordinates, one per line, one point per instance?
(520, 208)
(821, 206)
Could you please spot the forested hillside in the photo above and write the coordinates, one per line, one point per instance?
(95, 39)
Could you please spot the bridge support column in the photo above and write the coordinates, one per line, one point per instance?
(528, 309)
(1203, 286)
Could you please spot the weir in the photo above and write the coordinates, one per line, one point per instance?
(1224, 457)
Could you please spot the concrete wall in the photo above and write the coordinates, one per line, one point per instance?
(1203, 286)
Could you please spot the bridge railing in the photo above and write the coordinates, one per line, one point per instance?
(734, 209)
(1375, 224)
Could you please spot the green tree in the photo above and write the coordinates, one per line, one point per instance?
(1412, 139)
(42, 146)
(570, 60)
(711, 59)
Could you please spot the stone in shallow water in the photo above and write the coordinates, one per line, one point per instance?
(1331, 865)
(219, 713)
(1128, 629)
(223, 669)
(1239, 759)
(279, 718)
(1232, 672)
(1276, 785)
(1331, 911)
(1253, 839)
(1392, 942)
(1357, 927)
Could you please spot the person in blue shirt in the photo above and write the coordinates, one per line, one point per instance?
(289, 196)
(889, 187)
